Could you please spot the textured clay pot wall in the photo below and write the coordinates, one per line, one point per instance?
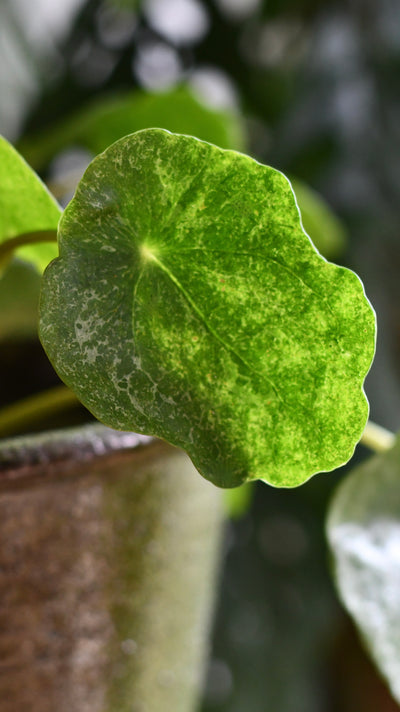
(108, 554)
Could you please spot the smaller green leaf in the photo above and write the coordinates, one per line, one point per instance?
(319, 221)
(100, 124)
(238, 500)
(363, 529)
(19, 301)
(27, 209)
(39, 254)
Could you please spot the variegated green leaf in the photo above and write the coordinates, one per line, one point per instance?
(188, 303)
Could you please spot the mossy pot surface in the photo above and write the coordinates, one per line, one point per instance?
(109, 547)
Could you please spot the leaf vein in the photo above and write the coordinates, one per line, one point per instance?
(214, 333)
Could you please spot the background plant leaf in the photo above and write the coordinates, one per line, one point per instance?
(19, 300)
(364, 535)
(188, 303)
(319, 221)
(238, 500)
(26, 206)
(103, 122)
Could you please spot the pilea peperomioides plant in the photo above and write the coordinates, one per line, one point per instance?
(188, 303)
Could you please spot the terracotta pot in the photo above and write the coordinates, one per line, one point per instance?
(108, 555)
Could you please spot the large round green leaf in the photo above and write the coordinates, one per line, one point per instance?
(188, 303)
(26, 208)
(364, 535)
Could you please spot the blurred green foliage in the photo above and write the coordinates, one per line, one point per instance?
(19, 297)
(26, 208)
(326, 231)
(110, 118)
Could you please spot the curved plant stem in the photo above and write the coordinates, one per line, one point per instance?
(27, 238)
(377, 438)
(25, 413)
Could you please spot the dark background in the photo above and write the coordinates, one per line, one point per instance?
(317, 87)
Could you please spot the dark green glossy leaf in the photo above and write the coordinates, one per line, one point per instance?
(364, 535)
(188, 303)
(26, 207)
